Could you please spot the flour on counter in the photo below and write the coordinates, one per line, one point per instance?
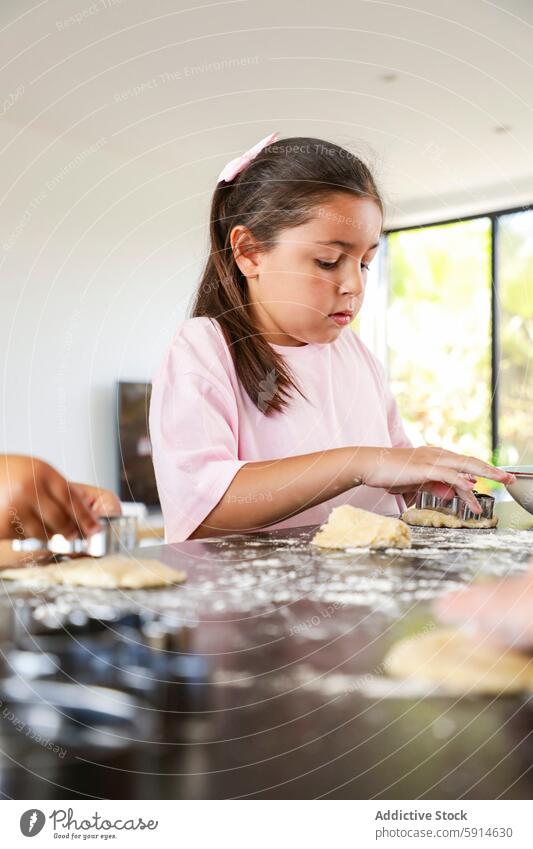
(242, 577)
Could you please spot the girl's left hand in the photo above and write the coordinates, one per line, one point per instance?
(441, 490)
(438, 488)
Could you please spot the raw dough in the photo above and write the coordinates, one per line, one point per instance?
(436, 518)
(349, 527)
(106, 572)
(460, 664)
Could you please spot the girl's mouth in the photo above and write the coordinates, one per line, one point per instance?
(341, 318)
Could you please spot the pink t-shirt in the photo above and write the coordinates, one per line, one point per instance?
(204, 427)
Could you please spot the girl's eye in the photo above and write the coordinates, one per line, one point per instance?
(322, 263)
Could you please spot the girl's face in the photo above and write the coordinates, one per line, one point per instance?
(300, 288)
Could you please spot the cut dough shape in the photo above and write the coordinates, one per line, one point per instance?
(460, 664)
(351, 527)
(436, 518)
(116, 572)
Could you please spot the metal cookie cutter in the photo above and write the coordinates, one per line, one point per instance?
(117, 534)
(456, 506)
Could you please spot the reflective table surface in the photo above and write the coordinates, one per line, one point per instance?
(259, 677)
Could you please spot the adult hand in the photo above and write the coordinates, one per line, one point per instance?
(497, 609)
(37, 501)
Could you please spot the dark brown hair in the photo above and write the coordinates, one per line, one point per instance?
(279, 189)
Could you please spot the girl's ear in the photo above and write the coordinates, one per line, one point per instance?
(245, 250)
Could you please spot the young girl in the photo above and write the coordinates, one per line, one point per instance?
(268, 410)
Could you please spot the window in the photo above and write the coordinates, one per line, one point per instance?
(515, 376)
(438, 330)
(461, 369)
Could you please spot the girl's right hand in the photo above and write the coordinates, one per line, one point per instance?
(405, 470)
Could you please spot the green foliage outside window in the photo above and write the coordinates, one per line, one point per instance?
(515, 379)
(439, 333)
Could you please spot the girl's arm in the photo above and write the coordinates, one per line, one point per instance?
(270, 491)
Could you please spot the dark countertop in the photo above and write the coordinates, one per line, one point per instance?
(281, 691)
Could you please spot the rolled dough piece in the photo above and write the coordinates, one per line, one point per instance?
(437, 518)
(351, 527)
(114, 572)
(460, 664)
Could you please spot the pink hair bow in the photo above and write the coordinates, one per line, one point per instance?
(241, 162)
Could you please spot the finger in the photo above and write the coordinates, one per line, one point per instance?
(470, 499)
(441, 490)
(103, 502)
(458, 481)
(85, 517)
(473, 466)
(54, 519)
(438, 488)
(84, 520)
(441, 475)
(500, 609)
(41, 522)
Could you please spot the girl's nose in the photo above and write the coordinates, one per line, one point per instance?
(353, 283)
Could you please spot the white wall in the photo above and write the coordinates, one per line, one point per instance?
(93, 284)
(116, 117)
